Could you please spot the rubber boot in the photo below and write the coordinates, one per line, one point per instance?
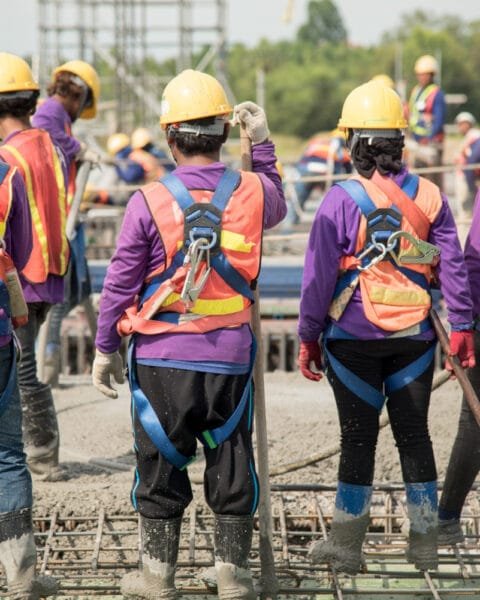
(156, 578)
(233, 541)
(422, 507)
(343, 548)
(40, 434)
(450, 532)
(18, 556)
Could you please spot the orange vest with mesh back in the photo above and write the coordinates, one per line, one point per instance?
(6, 195)
(218, 305)
(153, 170)
(36, 159)
(390, 299)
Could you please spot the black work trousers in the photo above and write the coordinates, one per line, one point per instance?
(373, 361)
(464, 463)
(187, 403)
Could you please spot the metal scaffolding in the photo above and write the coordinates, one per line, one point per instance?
(124, 38)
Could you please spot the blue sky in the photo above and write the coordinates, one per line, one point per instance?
(249, 20)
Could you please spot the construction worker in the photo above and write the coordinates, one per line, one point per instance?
(464, 463)
(17, 544)
(365, 293)
(469, 154)
(427, 112)
(190, 246)
(73, 93)
(32, 152)
(153, 159)
(128, 170)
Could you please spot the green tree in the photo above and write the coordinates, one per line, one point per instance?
(324, 24)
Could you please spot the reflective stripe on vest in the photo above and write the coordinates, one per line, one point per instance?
(36, 158)
(394, 298)
(226, 297)
(421, 104)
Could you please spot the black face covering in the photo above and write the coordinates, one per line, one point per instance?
(383, 154)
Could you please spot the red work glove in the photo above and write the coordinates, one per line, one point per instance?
(462, 345)
(310, 352)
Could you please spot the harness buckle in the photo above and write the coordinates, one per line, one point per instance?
(379, 247)
(198, 253)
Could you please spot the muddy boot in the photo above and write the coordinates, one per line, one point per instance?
(343, 548)
(423, 535)
(450, 532)
(18, 557)
(156, 579)
(233, 541)
(40, 434)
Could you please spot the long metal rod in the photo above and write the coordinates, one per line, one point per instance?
(269, 578)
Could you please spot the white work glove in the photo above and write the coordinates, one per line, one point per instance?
(255, 120)
(87, 154)
(105, 365)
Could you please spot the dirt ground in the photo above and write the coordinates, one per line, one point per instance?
(302, 420)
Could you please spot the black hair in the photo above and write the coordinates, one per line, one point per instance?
(64, 86)
(191, 144)
(383, 154)
(18, 104)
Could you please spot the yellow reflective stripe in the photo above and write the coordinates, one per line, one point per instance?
(390, 297)
(36, 220)
(61, 205)
(230, 240)
(227, 306)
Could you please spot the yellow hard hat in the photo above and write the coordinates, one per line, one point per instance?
(117, 142)
(372, 106)
(88, 74)
(384, 79)
(193, 95)
(426, 64)
(141, 137)
(337, 133)
(15, 74)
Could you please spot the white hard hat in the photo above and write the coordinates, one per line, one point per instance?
(465, 117)
(426, 64)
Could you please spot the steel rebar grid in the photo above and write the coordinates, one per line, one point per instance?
(89, 554)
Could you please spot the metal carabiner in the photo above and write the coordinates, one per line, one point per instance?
(379, 247)
(427, 253)
(198, 252)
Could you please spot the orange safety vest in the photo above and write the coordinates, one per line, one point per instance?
(36, 158)
(218, 304)
(322, 148)
(6, 195)
(391, 300)
(153, 170)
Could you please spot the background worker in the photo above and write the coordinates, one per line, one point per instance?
(469, 154)
(128, 170)
(370, 308)
(38, 162)
(464, 463)
(426, 116)
(73, 93)
(153, 159)
(17, 545)
(192, 354)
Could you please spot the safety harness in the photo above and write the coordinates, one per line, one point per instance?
(201, 243)
(383, 234)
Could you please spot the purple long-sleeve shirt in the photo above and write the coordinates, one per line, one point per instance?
(140, 251)
(52, 116)
(334, 234)
(52, 290)
(472, 258)
(18, 232)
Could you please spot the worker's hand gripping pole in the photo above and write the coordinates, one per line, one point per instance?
(269, 587)
(470, 394)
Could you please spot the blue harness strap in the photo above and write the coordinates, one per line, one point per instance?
(157, 281)
(358, 194)
(178, 190)
(226, 186)
(7, 393)
(154, 429)
(409, 373)
(4, 169)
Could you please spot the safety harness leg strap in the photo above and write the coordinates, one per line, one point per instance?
(154, 429)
